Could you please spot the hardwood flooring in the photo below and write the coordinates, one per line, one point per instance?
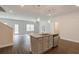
(65, 47)
(22, 46)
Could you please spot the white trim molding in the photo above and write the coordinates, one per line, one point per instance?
(69, 39)
(2, 46)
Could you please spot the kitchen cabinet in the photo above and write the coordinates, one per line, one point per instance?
(40, 46)
(36, 44)
(50, 41)
(41, 43)
(45, 42)
(55, 40)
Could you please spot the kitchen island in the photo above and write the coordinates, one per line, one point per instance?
(42, 42)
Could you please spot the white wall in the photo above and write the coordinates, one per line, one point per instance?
(69, 26)
(6, 35)
(42, 24)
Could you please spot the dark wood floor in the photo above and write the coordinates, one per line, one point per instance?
(65, 47)
(22, 46)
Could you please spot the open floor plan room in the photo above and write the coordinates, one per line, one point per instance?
(39, 29)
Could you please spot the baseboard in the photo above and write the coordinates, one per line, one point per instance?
(6, 45)
(69, 40)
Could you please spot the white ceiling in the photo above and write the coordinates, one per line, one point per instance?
(43, 10)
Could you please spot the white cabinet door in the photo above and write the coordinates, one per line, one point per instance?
(40, 47)
(45, 43)
(56, 38)
(34, 45)
(50, 41)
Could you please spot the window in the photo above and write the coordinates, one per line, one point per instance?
(29, 27)
(32, 27)
(16, 28)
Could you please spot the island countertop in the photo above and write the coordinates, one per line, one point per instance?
(40, 35)
(36, 35)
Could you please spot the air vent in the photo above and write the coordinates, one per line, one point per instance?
(1, 9)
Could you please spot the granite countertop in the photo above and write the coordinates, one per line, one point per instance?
(39, 35)
(35, 35)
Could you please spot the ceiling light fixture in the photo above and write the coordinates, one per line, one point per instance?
(49, 21)
(38, 19)
(22, 5)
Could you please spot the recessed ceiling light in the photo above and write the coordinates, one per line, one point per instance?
(22, 5)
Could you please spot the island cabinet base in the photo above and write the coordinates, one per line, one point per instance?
(56, 38)
(51, 41)
(39, 47)
(42, 43)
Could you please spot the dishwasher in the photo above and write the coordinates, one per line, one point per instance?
(55, 40)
